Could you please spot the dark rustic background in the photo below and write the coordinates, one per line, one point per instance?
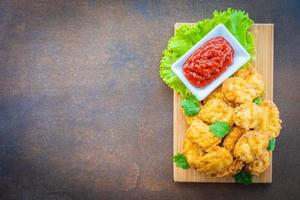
(84, 114)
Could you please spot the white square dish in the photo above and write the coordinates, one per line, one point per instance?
(241, 56)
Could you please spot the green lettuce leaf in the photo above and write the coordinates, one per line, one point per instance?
(186, 36)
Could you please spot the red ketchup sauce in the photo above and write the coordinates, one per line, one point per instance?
(208, 62)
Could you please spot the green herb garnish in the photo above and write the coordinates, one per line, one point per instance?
(220, 129)
(243, 178)
(181, 161)
(272, 144)
(191, 106)
(257, 100)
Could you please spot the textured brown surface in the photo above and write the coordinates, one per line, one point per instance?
(263, 35)
(84, 114)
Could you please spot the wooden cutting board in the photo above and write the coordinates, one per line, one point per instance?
(263, 39)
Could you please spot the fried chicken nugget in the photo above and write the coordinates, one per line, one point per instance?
(199, 133)
(231, 139)
(248, 115)
(258, 166)
(192, 152)
(250, 146)
(271, 122)
(216, 110)
(235, 167)
(238, 91)
(216, 94)
(251, 76)
(216, 160)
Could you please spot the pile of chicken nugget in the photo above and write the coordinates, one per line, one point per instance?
(253, 125)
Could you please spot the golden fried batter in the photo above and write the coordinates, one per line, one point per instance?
(216, 160)
(238, 91)
(189, 120)
(251, 76)
(199, 133)
(216, 94)
(216, 110)
(242, 147)
(232, 138)
(270, 123)
(247, 116)
(192, 152)
(250, 146)
(258, 166)
(235, 167)
(245, 72)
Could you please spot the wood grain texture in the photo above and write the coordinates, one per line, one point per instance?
(263, 38)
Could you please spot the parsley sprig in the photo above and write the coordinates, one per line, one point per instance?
(243, 178)
(191, 106)
(220, 128)
(257, 100)
(272, 144)
(180, 161)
